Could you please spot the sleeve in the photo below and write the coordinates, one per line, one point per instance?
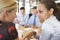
(12, 31)
(56, 36)
(26, 19)
(47, 31)
(16, 20)
(31, 20)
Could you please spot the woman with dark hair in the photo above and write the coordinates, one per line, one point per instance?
(49, 16)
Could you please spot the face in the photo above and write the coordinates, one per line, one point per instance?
(43, 13)
(11, 15)
(34, 11)
(22, 11)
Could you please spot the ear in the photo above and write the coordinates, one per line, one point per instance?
(51, 11)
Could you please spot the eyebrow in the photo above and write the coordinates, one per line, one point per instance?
(11, 9)
(40, 11)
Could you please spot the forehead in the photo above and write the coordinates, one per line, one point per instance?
(34, 9)
(22, 10)
(41, 6)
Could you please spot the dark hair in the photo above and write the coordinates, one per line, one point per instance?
(35, 7)
(22, 8)
(51, 4)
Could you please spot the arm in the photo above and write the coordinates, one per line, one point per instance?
(26, 21)
(16, 20)
(33, 26)
(25, 26)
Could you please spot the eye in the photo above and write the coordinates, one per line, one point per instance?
(40, 11)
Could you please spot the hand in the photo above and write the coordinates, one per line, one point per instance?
(25, 26)
(39, 31)
(32, 26)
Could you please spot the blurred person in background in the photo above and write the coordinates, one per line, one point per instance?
(22, 18)
(7, 15)
(49, 16)
(33, 20)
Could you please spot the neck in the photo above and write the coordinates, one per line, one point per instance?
(41, 21)
(23, 14)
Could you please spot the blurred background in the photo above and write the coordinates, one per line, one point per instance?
(28, 4)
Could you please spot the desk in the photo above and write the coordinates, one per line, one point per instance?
(26, 32)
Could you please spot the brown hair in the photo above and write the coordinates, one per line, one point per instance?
(51, 4)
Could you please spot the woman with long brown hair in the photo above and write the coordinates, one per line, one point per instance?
(49, 16)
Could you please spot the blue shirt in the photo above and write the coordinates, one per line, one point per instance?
(50, 27)
(22, 19)
(34, 21)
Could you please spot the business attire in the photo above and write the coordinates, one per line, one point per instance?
(50, 29)
(56, 37)
(30, 14)
(21, 19)
(8, 31)
(33, 20)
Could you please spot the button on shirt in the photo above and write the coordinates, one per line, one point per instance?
(22, 19)
(50, 27)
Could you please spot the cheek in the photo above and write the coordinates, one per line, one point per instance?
(38, 15)
(22, 11)
(47, 15)
(42, 16)
(13, 16)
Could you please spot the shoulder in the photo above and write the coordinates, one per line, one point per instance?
(26, 16)
(19, 14)
(10, 26)
(32, 16)
(51, 22)
(7, 24)
(10, 23)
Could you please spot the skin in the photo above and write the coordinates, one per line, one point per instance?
(8, 15)
(22, 11)
(34, 11)
(43, 12)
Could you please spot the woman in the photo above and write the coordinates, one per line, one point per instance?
(49, 16)
(7, 15)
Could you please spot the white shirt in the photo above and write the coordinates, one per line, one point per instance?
(49, 27)
(22, 19)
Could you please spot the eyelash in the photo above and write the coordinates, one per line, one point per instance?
(11, 10)
(40, 11)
